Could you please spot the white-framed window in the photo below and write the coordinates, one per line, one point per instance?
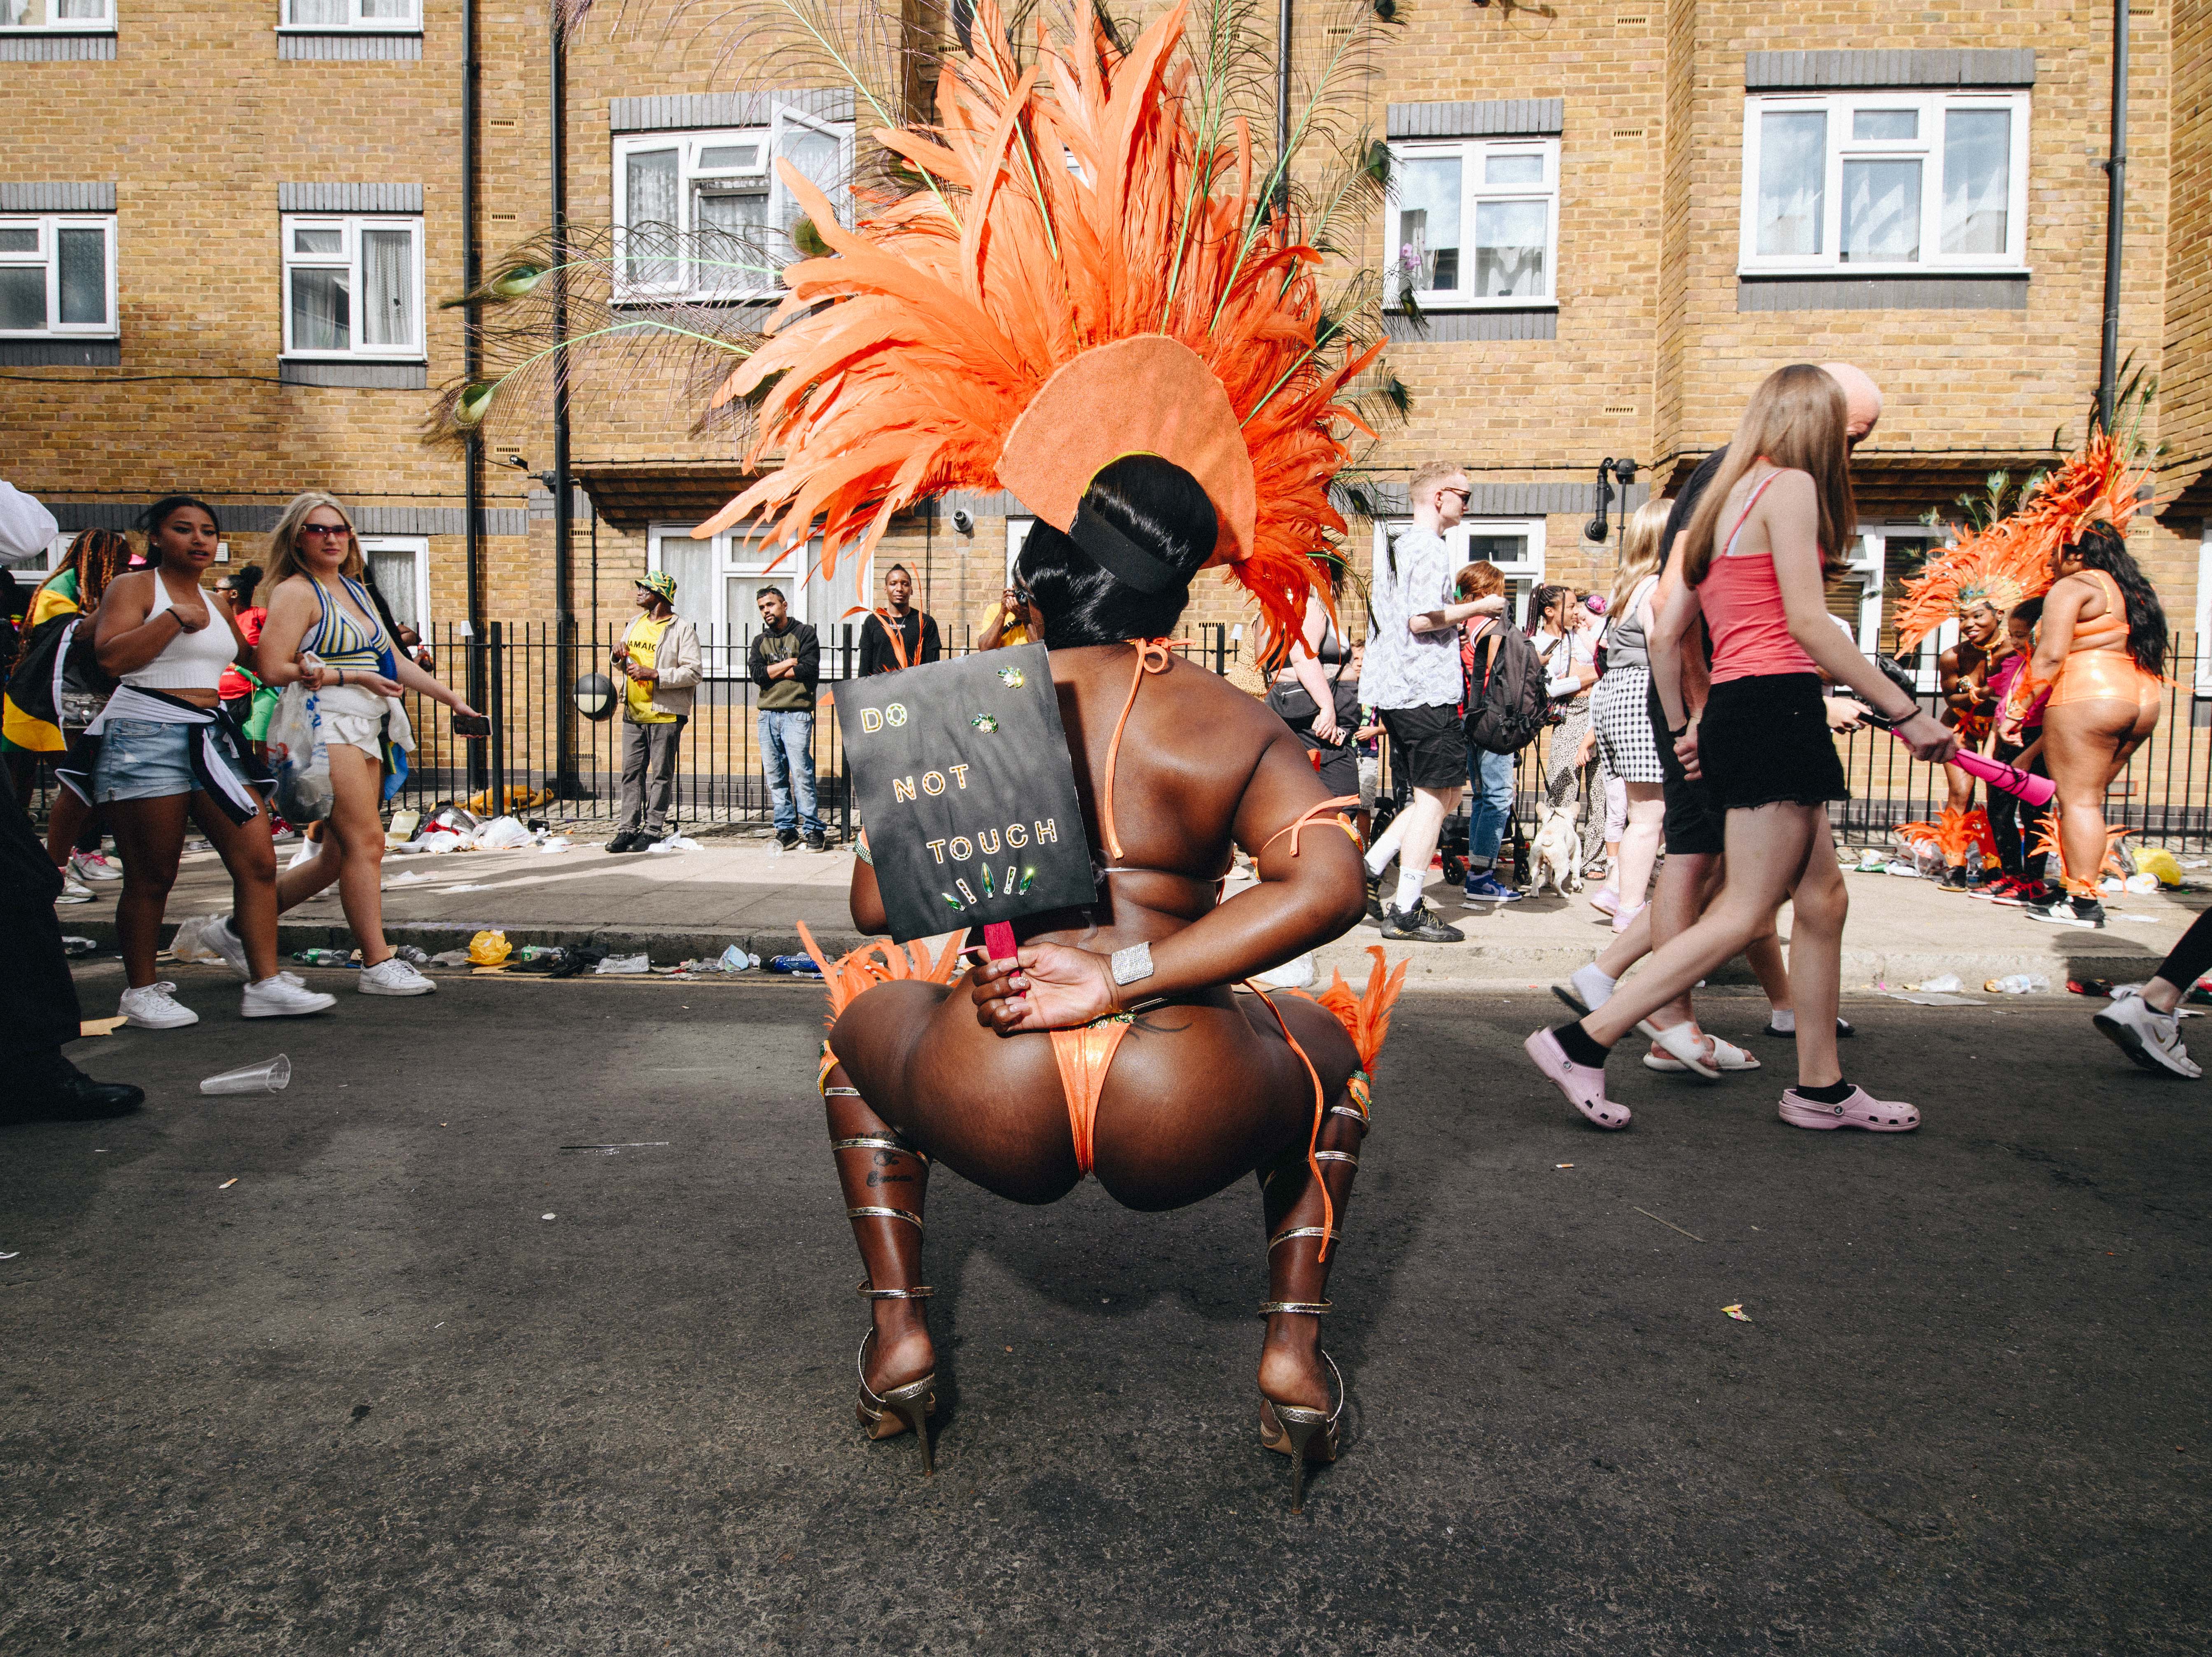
(718, 582)
(95, 16)
(1885, 183)
(1474, 222)
(57, 277)
(1516, 545)
(1017, 536)
(2204, 640)
(353, 285)
(1866, 591)
(332, 16)
(401, 564)
(704, 215)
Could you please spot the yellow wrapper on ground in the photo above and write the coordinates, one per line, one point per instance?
(489, 949)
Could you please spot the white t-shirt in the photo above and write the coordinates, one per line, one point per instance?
(1405, 669)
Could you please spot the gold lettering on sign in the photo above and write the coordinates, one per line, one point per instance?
(895, 715)
(1048, 830)
(963, 851)
(988, 839)
(932, 782)
(937, 848)
(1016, 836)
(959, 774)
(965, 891)
(871, 721)
(901, 789)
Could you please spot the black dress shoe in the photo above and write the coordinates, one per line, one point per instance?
(632, 842)
(74, 1098)
(815, 842)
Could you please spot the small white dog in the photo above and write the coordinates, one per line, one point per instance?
(1556, 853)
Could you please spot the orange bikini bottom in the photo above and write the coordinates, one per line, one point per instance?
(1085, 1055)
(2089, 675)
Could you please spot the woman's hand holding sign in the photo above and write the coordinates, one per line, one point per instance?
(1048, 987)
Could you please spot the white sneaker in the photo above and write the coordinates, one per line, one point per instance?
(308, 852)
(393, 976)
(155, 1007)
(216, 933)
(74, 891)
(93, 865)
(281, 998)
(2151, 1038)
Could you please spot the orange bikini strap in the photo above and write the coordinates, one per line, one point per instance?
(1321, 1114)
(1151, 658)
(1294, 829)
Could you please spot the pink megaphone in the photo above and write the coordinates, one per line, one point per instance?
(2036, 790)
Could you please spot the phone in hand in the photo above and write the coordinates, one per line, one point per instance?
(471, 724)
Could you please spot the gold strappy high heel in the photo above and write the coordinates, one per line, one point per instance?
(1292, 1429)
(910, 1404)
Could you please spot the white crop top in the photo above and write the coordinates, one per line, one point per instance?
(190, 661)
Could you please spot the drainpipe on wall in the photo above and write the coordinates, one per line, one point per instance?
(1283, 101)
(564, 622)
(2116, 204)
(472, 360)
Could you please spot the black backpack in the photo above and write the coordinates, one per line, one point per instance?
(1506, 703)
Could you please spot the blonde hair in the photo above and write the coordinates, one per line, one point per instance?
(1796, 421)
(284, 540)
(1430, 475)
(1643, 550)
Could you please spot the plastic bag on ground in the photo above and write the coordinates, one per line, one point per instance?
(2018, 984)
(450, 958)
(502, 834)
(625, 965)
(489, 949)
(674, 843)
(735, 959)
(558, 843)
(190, 944)
(1946, 984)
(2157, 860)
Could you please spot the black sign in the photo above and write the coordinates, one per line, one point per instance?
(963, 781)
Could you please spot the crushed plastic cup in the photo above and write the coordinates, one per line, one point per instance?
(735, 959)
(624, 965)
(674, 843)
(2018, 984)
(2143, 881)
(1947, 984)
(270, 1076)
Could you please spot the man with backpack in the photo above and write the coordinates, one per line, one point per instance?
(1507, 707)
(1410, 676)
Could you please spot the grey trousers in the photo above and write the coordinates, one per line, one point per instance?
(649, 778)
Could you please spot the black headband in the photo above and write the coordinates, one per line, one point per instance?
(1117, 553)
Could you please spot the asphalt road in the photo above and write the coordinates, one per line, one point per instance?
(367, 1399)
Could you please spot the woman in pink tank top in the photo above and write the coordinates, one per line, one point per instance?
(1754, 563)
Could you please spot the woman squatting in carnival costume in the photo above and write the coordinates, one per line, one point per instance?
(1132, 344)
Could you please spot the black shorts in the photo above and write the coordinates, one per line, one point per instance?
(1693, 824)
(1765, 740)
(1338, 765)
(1428, 745)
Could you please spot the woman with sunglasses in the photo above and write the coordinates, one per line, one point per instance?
(323, 631)
(158, 752)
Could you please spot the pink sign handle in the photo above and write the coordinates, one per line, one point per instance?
(999, 941)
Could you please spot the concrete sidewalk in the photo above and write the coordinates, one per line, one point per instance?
(683, 904)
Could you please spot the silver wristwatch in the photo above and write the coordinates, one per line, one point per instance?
(1133, 963)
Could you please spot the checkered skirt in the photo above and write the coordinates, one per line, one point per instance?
(1624, 725)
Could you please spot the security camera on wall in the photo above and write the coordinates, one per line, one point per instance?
(964, 520)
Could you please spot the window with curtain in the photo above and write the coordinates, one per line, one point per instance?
(58, 14)
(383, 15)
(1881, 182)
(353, 287)
(397, 563)
(57, 277)
(703, 216)
(1473, 222)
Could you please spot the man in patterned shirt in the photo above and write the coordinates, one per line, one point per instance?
(1412, 677)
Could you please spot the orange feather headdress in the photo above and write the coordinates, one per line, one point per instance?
(1080, 256)
(2011, 559)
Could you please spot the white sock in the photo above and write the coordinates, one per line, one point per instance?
(1784, 1019)
(1380, 853)
(1409, 888)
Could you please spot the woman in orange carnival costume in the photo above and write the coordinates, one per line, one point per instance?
(1091, 305)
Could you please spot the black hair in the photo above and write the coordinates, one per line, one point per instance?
(898, 569)
(2029, 610)
(1154, 503)
(243, 580)
(759, 593)
(1541, 600)
(159, 514)
(2104, 548)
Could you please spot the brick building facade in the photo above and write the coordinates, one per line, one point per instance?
(1614, 218)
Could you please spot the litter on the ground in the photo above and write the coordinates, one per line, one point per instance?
(797, 966)
(2099, 988)
(502, 834)
(545, 1217)
(409, 877)
(74, 947)
(489, 948)
(2018, 984)
(624, 965)
(10, 1255)
(324, 958)
(674, 843)
(270, 1076)
(558, 843)
(1943, 984)
(624, 1144)
(101, 1026)
(450, 958)
(1670, 1225)
(1926, 999)
(1737, 1313)
(226, 1184)
(1562, 1164)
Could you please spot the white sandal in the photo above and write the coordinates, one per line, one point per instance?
(1685, 1045)
(1721, 1056)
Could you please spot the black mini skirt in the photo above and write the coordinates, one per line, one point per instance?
(1765, 739)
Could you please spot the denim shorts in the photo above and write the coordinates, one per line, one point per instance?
(141, 760)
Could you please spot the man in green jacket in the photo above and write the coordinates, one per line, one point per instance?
(786, 664)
